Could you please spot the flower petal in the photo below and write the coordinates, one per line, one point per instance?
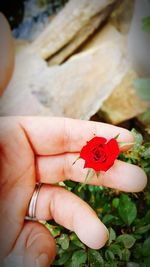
(96, 141)
(113, 148)
(98, 166)
(84, 152)
(110, 149)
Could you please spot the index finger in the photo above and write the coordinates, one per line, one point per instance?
(58, 135)
(50, 136)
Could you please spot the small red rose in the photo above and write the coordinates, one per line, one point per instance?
(99, 154)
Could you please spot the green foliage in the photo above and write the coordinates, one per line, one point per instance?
(127, 209)
(126, 215)
(145, 117)
(146, 247)
(63, 241)
(142, 87)
(146, 24)
(127, 240)
(95, 258)
(78, 258)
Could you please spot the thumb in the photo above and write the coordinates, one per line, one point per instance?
(35, 247)
(40, 245)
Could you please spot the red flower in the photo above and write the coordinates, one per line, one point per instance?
(100, 154)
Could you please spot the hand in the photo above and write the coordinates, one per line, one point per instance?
(43, 149)
(6, 53)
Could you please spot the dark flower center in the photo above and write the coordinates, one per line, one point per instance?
(98, 154)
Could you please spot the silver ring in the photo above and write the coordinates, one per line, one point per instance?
(32, 205)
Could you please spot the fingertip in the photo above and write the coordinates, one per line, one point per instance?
(126, 136)
(93, 233)
(101, 236)
(136, 180)
(125, 177)
(141, 179)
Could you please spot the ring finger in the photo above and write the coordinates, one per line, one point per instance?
(71, 212)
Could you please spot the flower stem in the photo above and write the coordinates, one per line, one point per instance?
(89, 175)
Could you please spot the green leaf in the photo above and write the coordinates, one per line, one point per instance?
(146, 24)
(142, 87)
(115, 202)
(63, 240)
(143, 229)
(127, 240)
(110, 264)
(70, 184)
(109, 255)
(137, 251)
(54, 230)
(108, 218)
(78, 258)
(147, 216)
(147, 261)
(147, 197)
(137, 136)
(116, 250)
(146, 247)
(146, 154)
(132, 264)
(63, 259)
(75, 240)
(145, 117)
(127, 209)
(126, 254)
(112, 235)
(95, 258)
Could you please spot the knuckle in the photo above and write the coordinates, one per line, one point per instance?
(66, 135)
(67, 169)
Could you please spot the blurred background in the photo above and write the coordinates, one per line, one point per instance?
(86, 59)
(81, 59)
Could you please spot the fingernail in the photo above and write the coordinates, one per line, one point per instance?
(42, 261)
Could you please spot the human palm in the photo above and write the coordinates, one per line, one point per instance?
(42, 149)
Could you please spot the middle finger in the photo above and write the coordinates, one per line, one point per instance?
(122, 176)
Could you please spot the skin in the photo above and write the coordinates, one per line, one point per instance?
(6, 53)
(43, 149)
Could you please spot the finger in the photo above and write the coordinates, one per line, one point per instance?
(6, 53)
(35, 245)
(122, 176)
(17, 182)
(73, 213)
(58, 135)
